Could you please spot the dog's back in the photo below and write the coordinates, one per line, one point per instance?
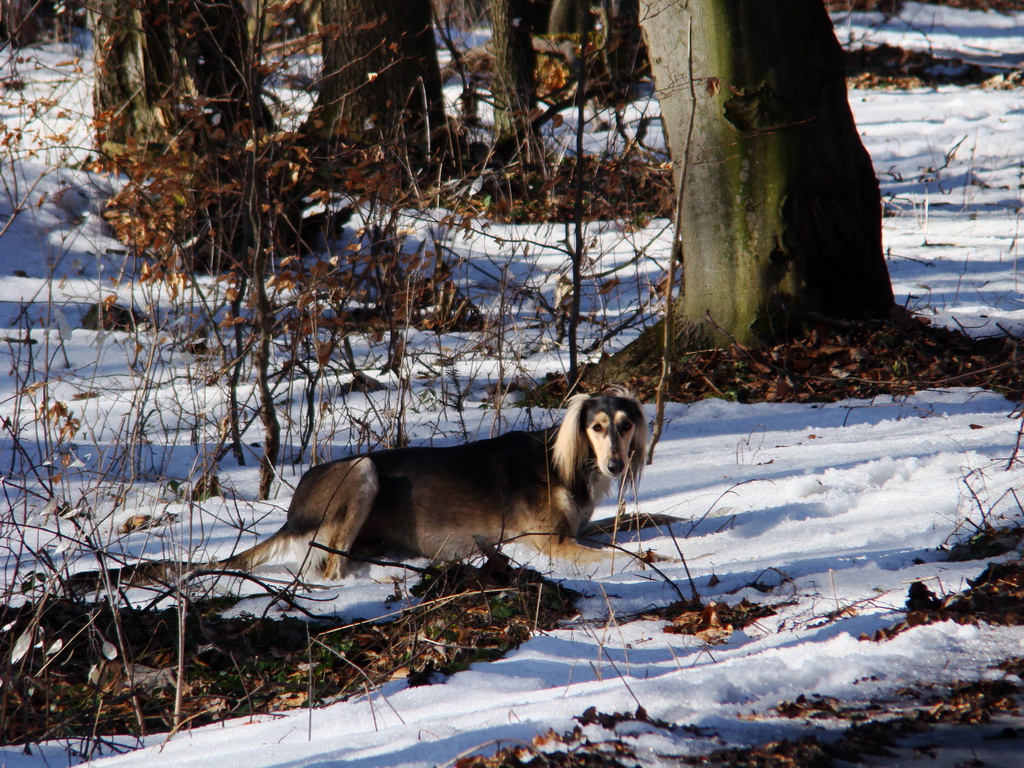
(438, 501)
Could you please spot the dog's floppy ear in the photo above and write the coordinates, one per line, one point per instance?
(638, 445)
(570, 449)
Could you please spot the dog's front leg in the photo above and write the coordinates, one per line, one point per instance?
(569, 549)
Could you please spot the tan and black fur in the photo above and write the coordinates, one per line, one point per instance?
(443, 503)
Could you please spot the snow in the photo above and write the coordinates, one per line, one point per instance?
(837, 507)
(985, 38)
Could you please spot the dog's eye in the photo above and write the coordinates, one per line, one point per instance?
(597, 427)
(625, 426)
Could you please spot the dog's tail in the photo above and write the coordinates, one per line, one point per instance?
(147, 573)
(256, 556)
(282, 546)
(168, 572)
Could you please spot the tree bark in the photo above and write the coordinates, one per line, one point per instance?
(569, 17)
(624, 54)
(164, 65)
(781, 208)
(23, 22)
(381, 78)
(514, 90)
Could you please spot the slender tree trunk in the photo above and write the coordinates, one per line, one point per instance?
(781, 213)
(263, 328)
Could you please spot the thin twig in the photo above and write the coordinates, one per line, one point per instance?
(374, 560)
(652, 566)
(1016, 445)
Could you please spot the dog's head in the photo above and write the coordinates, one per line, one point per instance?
(609, 430)
(616, 429)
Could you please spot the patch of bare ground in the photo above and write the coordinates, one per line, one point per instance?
(834, 361)
(712, 622)
(926, 723)
(964, 723)
(893, 7)
(887, 66)
(85, 670)
(995, 597)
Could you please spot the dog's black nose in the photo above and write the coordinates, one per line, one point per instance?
(615, 466)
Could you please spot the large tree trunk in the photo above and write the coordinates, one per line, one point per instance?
(381, 77)
(569, 17)
(179, 95)
(779, 212)
(167, 65)
(624, 54)
(514, 89)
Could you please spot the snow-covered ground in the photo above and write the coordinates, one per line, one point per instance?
(838, 507)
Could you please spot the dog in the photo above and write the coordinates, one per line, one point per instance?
(446, 503)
